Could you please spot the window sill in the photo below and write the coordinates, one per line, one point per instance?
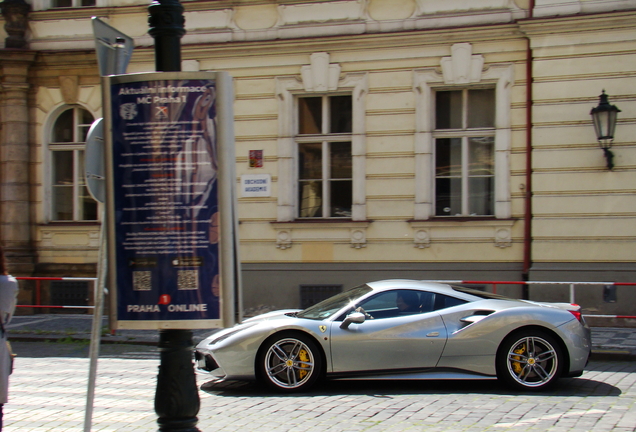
(355, 232)
(321, 221)
(450, 229)
(71, 223)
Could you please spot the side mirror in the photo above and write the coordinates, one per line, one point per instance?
(352, 318)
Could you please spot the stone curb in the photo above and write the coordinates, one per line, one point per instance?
(85, 338)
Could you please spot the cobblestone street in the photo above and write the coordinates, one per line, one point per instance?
(49, 394)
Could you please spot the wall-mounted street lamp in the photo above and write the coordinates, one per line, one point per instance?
(604, 118)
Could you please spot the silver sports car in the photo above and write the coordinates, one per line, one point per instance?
(404, 329)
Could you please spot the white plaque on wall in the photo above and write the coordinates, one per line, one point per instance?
(256, 185)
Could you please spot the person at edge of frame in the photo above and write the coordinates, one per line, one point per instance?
(8, 298)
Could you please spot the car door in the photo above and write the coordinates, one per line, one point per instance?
(388, 341)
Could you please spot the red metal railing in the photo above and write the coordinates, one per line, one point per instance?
(572, 287)
(38, 291)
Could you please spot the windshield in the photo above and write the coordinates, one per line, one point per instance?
(328, 307)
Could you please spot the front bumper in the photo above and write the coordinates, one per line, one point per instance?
(205, 362)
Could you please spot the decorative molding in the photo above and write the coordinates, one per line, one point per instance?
(353, 232)
(544, 8)
(448, 229)
(358, 238)
(503, 237)
(320, 75)
(462, 67)
(283, 239)
(322, 12)
(422, 238)
(222, 21)
(70, 237)
(454, 6)
(69, 88)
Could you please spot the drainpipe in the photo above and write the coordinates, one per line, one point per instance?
(527, 233)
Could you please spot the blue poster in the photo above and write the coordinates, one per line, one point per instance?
(166, 215)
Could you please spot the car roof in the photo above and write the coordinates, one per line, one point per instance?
(389, 284)
(435, 287)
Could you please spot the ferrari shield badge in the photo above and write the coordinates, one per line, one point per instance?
(323, 328)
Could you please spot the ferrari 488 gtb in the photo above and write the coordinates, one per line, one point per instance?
(404, 329)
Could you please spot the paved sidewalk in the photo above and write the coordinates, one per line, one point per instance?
(608, 343)
(48, 392)
(49, 395)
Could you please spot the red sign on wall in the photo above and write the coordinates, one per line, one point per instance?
(256, 158)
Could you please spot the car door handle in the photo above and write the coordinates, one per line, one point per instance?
(433, 334)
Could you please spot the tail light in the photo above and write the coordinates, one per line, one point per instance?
(576, 312)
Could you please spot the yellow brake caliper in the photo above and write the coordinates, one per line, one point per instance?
(304, 357)
(516, 366)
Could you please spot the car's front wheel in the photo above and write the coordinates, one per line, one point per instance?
(530, 360)
(290, 362)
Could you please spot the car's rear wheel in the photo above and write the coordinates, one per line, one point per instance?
(290, 362)
(530, 360)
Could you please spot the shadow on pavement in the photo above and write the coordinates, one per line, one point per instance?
(565, 387)
(81, 350)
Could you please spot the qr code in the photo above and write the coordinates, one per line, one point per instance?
(141, 281)
(188, 279)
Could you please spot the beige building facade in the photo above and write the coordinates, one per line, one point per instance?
(396, 139)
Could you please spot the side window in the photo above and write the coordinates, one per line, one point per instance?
(323, 139)
(465, 152)
(69, 198)
(393, 304)
(443, 301)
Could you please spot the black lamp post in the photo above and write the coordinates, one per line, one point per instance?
(177, 397)
(604, 118)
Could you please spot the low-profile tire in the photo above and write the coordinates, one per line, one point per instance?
(530, 360)
(289, 362)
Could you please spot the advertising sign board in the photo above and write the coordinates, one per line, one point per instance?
(165, 191)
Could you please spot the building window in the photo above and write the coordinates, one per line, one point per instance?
(39, 5)
(71, 3)
(70, 200)
(464, 149)
(323, 139)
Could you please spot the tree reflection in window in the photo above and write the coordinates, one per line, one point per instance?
(70, 199)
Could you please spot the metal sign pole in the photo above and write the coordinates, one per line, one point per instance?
(114, 50)
(98, 312)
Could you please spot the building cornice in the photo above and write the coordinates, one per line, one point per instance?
(402, 39)
(579, 23)
(17, 55)
(210, 22)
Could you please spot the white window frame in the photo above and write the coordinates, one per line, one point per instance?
(325, 139)
(464, 133)
(427, 81)
(39, 5)
(75, 4)
(288, 89)
(78, 148)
